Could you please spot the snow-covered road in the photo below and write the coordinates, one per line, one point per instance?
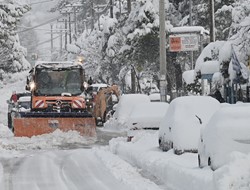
(70, 161)
(61, 161)
(58, 169)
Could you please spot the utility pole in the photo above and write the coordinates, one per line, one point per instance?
(66, 34)
(163, 64)
(52, 45)
(111, 9)
(129, 5)
(120, 6)
(61, 39)
(74, 8)
(212, 22)
(70, 37)
(92, 15)
(190, 13)
(190, 24)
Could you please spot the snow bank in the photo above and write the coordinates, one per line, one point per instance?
(57, 139)
(174, 172)
(182, 172)
(236, 175)
(124, 172)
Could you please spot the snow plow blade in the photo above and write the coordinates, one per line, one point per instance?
(33, 126)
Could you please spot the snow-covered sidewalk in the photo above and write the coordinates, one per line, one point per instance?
(181, 172)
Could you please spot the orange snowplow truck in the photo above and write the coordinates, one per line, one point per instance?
(57, 101)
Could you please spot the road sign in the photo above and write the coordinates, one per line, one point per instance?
(183, 42)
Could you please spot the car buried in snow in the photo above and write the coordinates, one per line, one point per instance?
(227, 131)
(125, 106)
(19, 102)
(180, 127)
(145, 117)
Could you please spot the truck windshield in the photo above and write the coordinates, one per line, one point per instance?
(55, 82)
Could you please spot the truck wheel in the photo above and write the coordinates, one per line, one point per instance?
(11, 116)
(104, 117)
(9, 121)
(199, 161)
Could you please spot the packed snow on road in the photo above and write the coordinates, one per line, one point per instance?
(69, 161)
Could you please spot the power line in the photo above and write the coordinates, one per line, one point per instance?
(42, 29)
(40, 2)
(47, 22)
(44, 42)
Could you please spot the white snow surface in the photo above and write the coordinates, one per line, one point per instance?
(226, 132)
(188, 76)
(125, 106)
(189, 29)
(147, 115)
(210, 67)
(185, 116)
(128, 162)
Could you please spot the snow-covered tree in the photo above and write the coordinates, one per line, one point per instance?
(12, 53)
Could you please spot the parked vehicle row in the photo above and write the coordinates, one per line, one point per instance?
(227, 131)
(145, 116)
(138, 112)
(200, 124)
(180, 128)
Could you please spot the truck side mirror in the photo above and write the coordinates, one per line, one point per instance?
(27, 80)
(27, 87)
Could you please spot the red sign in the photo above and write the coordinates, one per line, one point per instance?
(183, 42)
(175, 44)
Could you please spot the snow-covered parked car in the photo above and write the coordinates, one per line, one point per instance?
(126, 104)
(97, 86)
(227, 131)
(21, 104)
(155, 97)
(145, 116)
(180, 127)
(123, 110)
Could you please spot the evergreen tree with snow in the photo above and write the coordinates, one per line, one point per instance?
(12, 56)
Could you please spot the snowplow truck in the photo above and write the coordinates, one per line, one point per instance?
(57, 101)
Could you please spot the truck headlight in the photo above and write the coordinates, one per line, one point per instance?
(32, 85)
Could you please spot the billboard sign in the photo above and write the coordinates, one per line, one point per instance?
(183, 42)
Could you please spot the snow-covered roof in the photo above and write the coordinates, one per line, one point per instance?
(55, 63)
(155, 97)
(147, 115)
(183, 116)
(189, 29)
(210, 67)
(126, 103)
(101, 85)
(209, 51)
